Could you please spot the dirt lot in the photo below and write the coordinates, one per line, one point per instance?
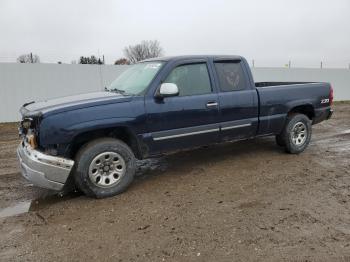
(247, 201)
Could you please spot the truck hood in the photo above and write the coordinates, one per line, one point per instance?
(62, 104)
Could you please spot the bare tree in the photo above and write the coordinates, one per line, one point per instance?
(143, 50)
(122, 61)
(28, 58)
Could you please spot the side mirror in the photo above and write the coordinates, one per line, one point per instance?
(168, 89)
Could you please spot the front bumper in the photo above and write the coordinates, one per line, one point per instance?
(43, 170)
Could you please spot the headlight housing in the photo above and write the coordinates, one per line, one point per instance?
(27, 132)
(26, 123)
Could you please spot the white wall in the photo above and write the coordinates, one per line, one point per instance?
(20, 83)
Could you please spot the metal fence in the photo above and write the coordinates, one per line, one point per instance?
(20, 83)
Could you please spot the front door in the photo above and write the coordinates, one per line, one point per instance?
(189, 119)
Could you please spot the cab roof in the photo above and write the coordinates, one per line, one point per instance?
(189, 57)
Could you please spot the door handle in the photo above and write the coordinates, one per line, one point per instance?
(212, 104)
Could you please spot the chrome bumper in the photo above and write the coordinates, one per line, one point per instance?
(43, 170)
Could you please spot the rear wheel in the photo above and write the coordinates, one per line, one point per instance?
(297, 132)
(104, 167)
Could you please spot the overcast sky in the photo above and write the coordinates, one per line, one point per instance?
(269, 31)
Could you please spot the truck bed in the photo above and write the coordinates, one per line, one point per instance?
(276, 99)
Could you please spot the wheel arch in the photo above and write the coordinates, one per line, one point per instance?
(123, 133)
(306, 109)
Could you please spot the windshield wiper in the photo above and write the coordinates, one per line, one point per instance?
(120, 91)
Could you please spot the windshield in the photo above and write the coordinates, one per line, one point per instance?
(135, 79)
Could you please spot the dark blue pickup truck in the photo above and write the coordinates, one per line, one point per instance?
(160, 106)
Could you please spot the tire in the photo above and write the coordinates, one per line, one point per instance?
(280, 141)
(104, 167)
(297, 133)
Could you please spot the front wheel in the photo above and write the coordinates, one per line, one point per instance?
(104, 167)
(297, 132)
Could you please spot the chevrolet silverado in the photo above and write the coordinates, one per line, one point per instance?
(159, 106)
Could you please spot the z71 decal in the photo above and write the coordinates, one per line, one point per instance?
(325, 101)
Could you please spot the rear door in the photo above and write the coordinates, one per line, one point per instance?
(237, 99)
(189, 119)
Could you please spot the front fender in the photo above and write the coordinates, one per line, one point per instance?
(56, 134)
(63, 127)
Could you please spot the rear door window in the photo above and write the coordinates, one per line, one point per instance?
(231, 76)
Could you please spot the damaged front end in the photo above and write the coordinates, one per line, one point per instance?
(36, 165)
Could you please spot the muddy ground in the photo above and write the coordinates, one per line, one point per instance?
(246, 201)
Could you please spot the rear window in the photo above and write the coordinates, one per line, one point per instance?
(231, 76)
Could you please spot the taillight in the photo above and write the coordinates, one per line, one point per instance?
(331, 96)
